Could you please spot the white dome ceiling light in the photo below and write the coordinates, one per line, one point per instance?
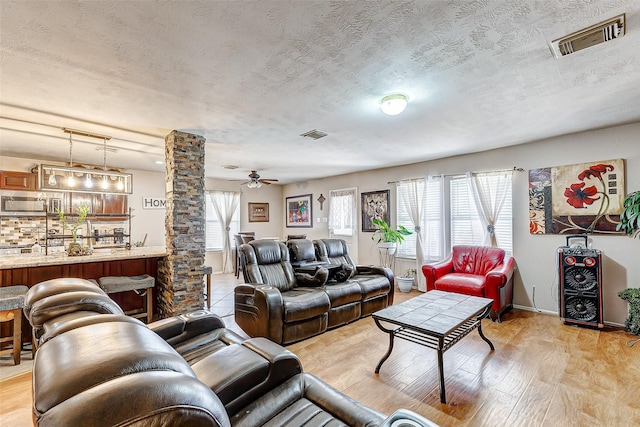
(393, 105)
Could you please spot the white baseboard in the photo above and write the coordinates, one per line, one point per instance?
(555, 313)
(537, 310)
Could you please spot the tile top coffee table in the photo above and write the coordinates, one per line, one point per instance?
(435, 319)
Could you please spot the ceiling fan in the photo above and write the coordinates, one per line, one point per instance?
(256, 182)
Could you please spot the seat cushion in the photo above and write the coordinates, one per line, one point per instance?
(343, 293)
(304, 303)
(467, 284)
(372, 285)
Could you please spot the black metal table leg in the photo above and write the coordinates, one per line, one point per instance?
(388, 353)
(482, 316)
(443, 396)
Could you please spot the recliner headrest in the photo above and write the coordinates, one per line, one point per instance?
(269, 251)
(301, 250)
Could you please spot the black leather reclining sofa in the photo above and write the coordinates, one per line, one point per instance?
(97, 367)
(284, 304)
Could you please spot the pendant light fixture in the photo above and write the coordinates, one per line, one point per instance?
(90, 177)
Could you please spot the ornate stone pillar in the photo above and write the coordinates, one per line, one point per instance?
(180, 284)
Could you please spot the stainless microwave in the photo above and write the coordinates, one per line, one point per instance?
(22, 203)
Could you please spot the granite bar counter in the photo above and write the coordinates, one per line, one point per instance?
(31, 269)
(60, 258)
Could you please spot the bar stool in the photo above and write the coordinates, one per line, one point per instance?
(141, 285)
(11, 304)
(207, 272)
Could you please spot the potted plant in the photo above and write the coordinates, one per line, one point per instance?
(405, 280)
(630, 216)
(388, 238)
(75, 247)
(632, 296)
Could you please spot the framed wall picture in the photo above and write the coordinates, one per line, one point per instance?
(258, 212)
(299, 212)
(374, 204)
(584, 198)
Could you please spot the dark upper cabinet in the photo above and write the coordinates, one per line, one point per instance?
(10, 180)
(113, 204)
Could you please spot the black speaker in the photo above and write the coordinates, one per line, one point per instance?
(580, 271)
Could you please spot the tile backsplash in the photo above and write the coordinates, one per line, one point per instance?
(23, 231)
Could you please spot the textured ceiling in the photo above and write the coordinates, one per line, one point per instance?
(251, 76)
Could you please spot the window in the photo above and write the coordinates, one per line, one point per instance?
(459, 219)
(466, 226)
(431, 227)
(214, 241)
(342, 212)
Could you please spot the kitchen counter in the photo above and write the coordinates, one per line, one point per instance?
(40, 260)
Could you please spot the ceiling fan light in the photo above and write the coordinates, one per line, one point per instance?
(393, 105)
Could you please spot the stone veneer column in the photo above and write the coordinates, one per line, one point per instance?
(180, 274)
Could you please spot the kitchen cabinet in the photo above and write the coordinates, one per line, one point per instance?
(10, 180)
(111, 204)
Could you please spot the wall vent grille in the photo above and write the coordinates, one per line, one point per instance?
(314, 134)
(603, 32)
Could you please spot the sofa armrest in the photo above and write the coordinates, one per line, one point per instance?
(498, 278)
(501, 274)
(375, 269)
(381, 271)
(259, 310)
(434, 271)
(411, 418)
(186, 326)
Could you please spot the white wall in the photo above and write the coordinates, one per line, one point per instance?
(535, 254)
(147, 221)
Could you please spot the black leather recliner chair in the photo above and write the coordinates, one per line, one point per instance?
(97, 367)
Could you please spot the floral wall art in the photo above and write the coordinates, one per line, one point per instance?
(576, 199)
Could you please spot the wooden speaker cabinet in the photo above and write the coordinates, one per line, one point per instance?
(580, 271)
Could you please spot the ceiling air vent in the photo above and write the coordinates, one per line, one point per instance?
(603, 32)
(314, 134)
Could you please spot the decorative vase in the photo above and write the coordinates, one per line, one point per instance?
(387, 251)
(76, 249)
(388, 247)
(405, 283)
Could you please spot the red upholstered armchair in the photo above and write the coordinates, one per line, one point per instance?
(482, 271)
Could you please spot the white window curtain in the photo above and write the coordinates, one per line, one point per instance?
(412, 199)
(225, 204)
(342, 212)
(489, 190)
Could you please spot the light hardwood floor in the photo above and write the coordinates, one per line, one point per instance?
(542, 373)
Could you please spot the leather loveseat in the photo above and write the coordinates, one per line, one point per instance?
(97, 367)
(278, 304)
(481, 271)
